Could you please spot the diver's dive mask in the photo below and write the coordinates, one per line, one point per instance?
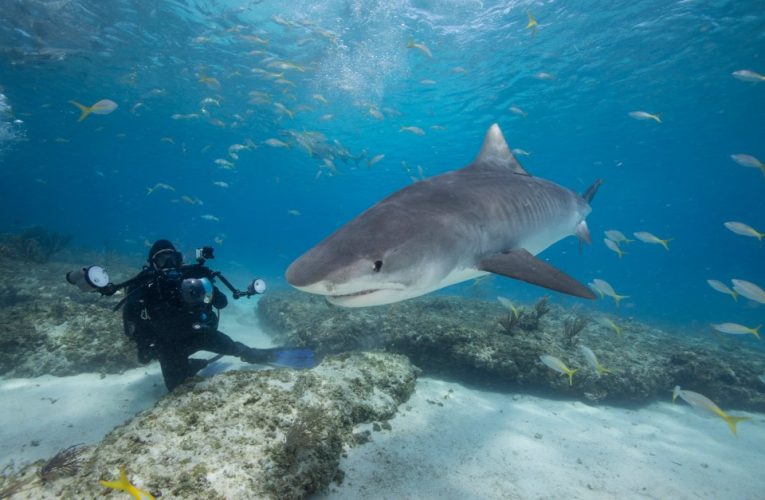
(167, 259)
(196, 291)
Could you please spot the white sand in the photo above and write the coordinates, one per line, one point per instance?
(489, 445)
(40, 416)
(477, 445)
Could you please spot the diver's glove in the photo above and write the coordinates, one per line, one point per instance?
(108, 290)
(293, 358)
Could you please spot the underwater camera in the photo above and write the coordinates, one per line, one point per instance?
(88, 279)
(204, 253)
(196, 291)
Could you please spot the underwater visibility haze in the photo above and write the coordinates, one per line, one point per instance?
(260, 127)
(338, 104)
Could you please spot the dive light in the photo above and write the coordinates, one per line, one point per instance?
(88, 279)
(256, 286)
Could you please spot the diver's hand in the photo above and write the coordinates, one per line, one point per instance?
(108, 290)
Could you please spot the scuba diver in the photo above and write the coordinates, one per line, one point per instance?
(171, 311)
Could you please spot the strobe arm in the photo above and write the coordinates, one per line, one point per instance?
(256, 286)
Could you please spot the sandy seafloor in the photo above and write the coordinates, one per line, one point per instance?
(448, 441)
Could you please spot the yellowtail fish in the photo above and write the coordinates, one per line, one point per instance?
(375, 113)
(746, 75)
(613, 246)
(544, 76)
(375, 159)
(592, 360)
(419, 46)
(210, 81)
(559, 366)
(701, 402)
(210, 217)
(207, 101)
(748, 161)
(285, 65)
(595, 289)
(744, 230)
(532, 24)
(293, 212)
(413, 130)
(518, 111)
(642, 115)
(221, 184)
(255, 39)
(509, 305)
(647, 237)
(123, 484)
(281, 107)
(722, 288)
(327, 117)
(749, 290)
(190, 116)
(102, 107)
(521, 152)
(276, 143)
(617, 236)
(223, 163)
(159, 185)
(605, 288)
(284, 81)
(427, 81)
(736, 329)
(321, 98)
(608, 323)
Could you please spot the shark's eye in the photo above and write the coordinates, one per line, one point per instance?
(378, 266)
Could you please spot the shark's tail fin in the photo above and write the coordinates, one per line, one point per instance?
(589, 193)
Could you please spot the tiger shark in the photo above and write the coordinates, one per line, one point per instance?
(488, 217)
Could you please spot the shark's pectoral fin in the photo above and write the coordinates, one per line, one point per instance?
(521, 265)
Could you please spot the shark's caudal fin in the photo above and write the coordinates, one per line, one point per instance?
(496, 154)
(590, 192)
(521, 265)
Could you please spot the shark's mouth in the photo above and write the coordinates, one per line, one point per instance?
(356, 294)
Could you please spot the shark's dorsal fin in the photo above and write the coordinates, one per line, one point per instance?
(495, 153)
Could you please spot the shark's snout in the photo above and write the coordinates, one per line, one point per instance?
(307, 275)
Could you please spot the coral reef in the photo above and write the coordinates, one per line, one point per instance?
(247, 434)
(463, 338)
(35, 244)
(50, 327)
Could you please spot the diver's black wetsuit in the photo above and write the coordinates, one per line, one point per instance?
(166, 328)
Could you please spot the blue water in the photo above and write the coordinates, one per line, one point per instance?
(675, 179)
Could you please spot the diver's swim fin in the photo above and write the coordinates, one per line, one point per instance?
(293, 358)
(280, 356)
